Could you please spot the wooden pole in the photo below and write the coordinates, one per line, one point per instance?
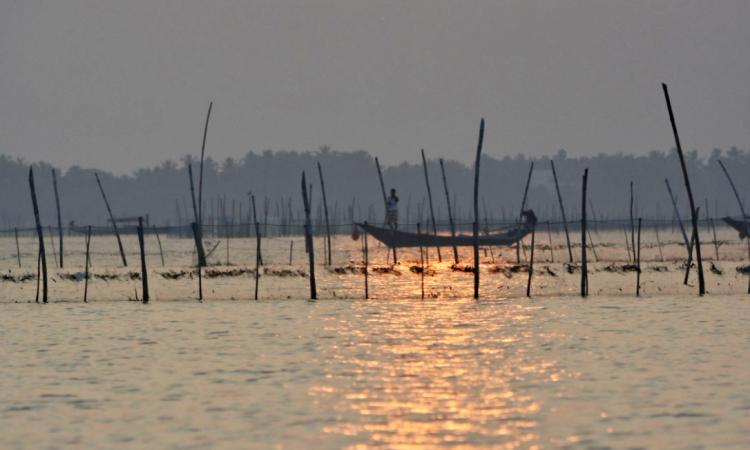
(531, 261)
(450, 212)
(158, 241)
(18, 247)
(144, 271)
(52, 242)
(195, 226)
(291, 249)
(690, 257)
(367, 258)
(476, 209)
(86, 269)
(693, 211)
(523, 207)
(638, 263)
(200, 176)
(632, 223)
(309, 240)
(40, 235)
(429, 197)
(549, 235)
(679, 219)
(421, 257)
(716, 243)
(584, 262)
(114, 222)
(325, 212)
(257, 253)
(562, 211)
(59, 216)
(38, 273)
(257, 224)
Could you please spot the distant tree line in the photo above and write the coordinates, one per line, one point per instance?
(162, 192)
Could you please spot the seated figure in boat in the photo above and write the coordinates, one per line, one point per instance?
(391, 210)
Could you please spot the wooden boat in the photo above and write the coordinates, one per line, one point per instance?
(395, 238)
(739, 224)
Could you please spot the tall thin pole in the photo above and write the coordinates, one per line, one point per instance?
(112, 218)
(86, 269)
(59, 216)
(421, 258)
(200, 176)
(679, 219)
(325, 211)
(632, 222)
(158, 241)
(450, 212)
(309, 239)
(523, 207)
(18, 247)
(584, 261)
(693, 212)
(144, 271)
(429, 197)
(638, 263)
(367, 258)
(40, 235)
(562, 211)
(257, 251)
(476, 209)
(196, 228)
(531, 261)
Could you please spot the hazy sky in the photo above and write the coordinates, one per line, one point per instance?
(125, 84)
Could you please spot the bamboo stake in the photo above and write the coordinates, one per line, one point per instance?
(197, 232)
(52, 242)
(523, 207)
(421, 257)
(693, 211)
(86, 269)
(144, 271)
(161, 250)
(476, 209)
(632, 223)
(114, 222)
(429, 197)
(562, 211)
(309, 240)
(255, 221)
(584, 262)
(325, 211)
(549, 235)
(291, 249)
(679, 219)
(42, 259)
(257, 252)
(367, 257)
(59, 216)
(638, 263)
(200, 176)
(18, 247)
(531, 261)
(38, 273)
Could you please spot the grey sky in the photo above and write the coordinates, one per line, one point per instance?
(125, 84)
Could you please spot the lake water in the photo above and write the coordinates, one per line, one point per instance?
(668, 370)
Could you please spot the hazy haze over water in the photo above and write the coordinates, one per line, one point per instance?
(120, 85)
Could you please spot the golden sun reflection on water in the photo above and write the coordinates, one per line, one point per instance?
(423, 374)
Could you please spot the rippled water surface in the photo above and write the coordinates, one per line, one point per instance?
(557, 372)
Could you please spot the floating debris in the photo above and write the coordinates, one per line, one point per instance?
(715, 270)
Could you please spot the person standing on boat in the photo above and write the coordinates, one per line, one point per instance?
(391, 210)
